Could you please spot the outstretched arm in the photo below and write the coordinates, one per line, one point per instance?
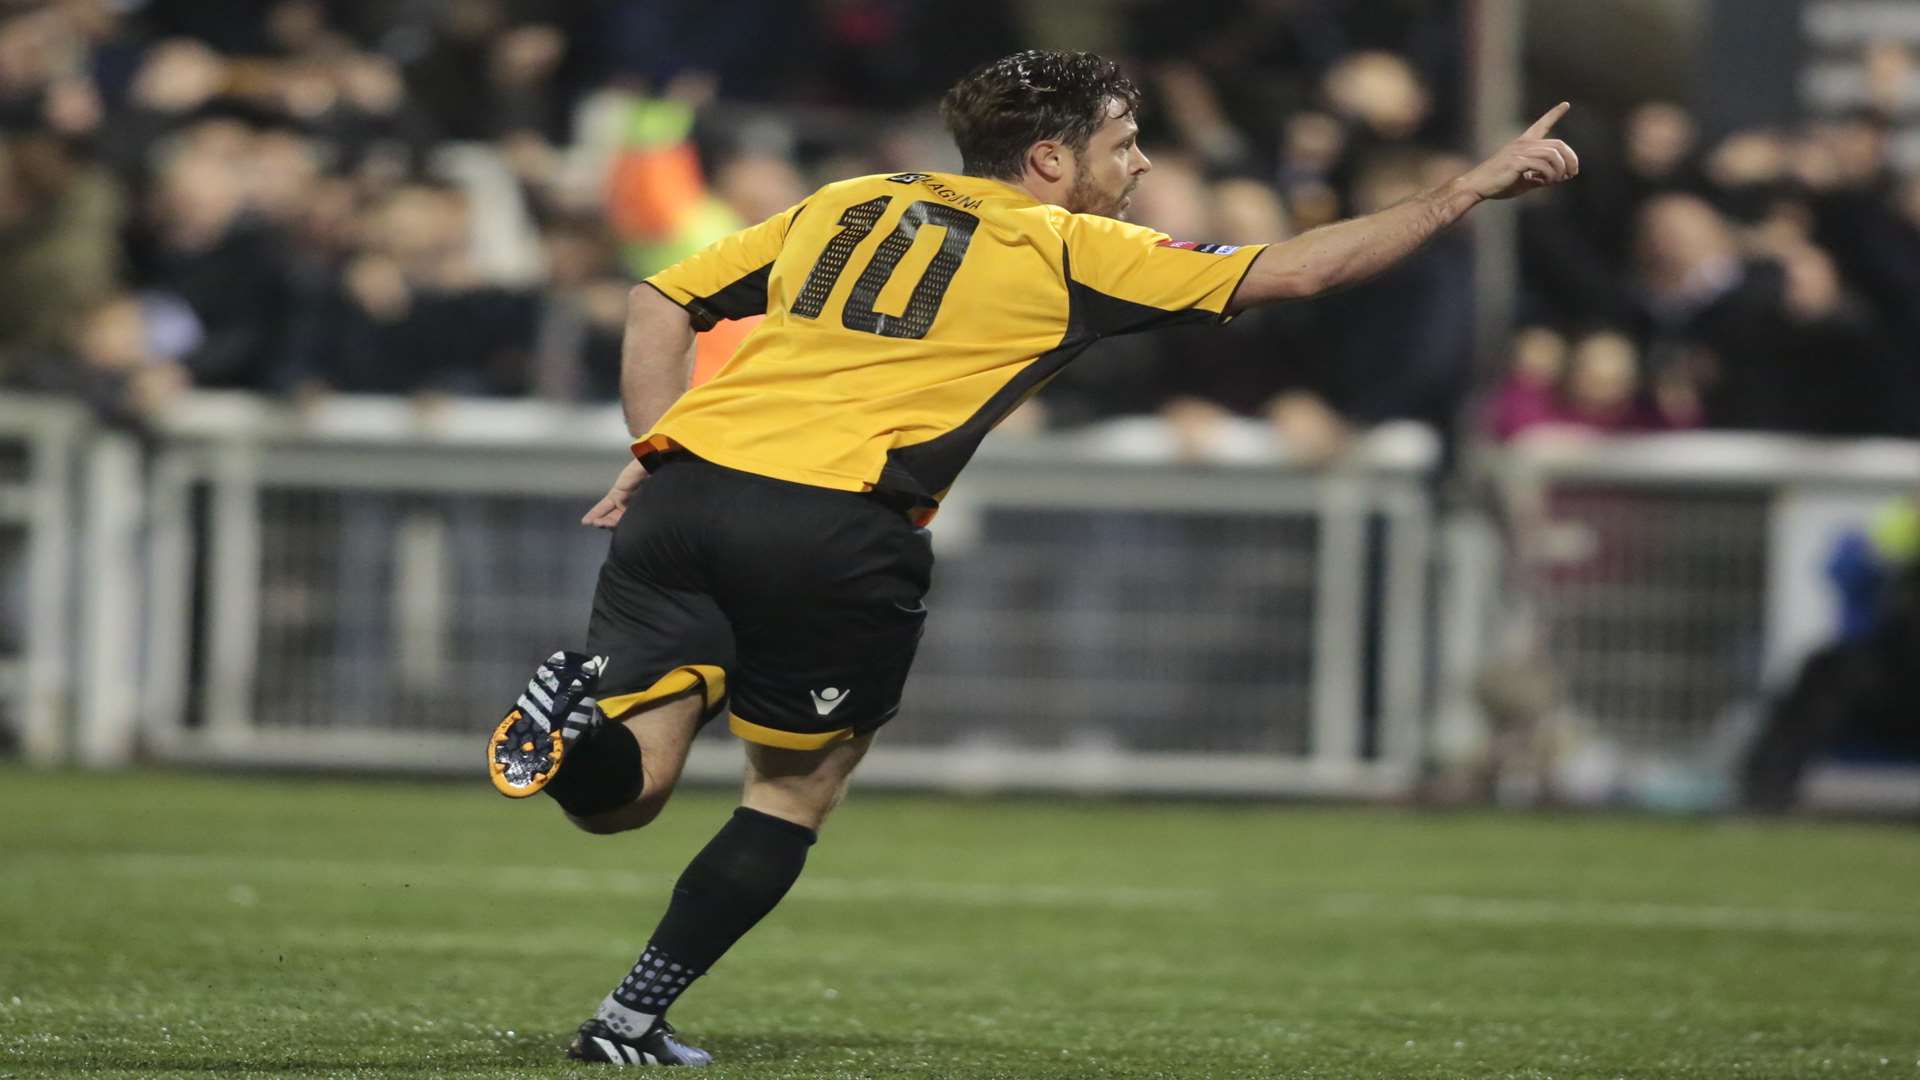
(1350, 252)
(656, 363)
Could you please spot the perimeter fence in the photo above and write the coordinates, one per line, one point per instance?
(368, 583)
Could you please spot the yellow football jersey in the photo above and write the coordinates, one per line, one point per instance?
(906, 315)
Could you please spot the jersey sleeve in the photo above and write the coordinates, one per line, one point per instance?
(1126, 278)
(727, 279)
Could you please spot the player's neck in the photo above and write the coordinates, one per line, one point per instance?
(1032, 187)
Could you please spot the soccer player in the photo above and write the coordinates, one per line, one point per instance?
(769, 557)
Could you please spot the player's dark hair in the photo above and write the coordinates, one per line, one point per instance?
(1003, 108)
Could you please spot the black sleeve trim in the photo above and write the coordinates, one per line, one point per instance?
(702, 316)
(747, 296)
(1104, 314)
(1107, 315)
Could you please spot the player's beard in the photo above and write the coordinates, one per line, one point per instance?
(1086, 197)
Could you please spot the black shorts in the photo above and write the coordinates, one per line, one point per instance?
(796, 609)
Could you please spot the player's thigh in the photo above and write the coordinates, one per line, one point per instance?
(810, 695)
(801, 786)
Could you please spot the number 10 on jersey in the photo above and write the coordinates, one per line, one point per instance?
(924, 305)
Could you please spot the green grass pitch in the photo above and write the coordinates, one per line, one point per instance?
(165, 925)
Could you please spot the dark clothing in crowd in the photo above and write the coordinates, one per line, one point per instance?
(1115, 377)
(1400, 347)
(1243, 366)
(1764, 370)
(1880, 252)
(1843, 378)
(473, 341)
(1569, 279)
(238, 289)
(1859, 698)
(1734, 335)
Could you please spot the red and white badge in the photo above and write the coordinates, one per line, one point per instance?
(1204, 249)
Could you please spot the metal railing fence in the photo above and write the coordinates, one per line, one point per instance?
(369, 582)
(374, 582)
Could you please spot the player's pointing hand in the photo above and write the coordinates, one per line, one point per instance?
(1531, 161)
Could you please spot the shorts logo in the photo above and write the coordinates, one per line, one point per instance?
(1204, 249)
(909, 177)
(825, 701)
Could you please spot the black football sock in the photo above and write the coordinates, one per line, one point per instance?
(731, 885)
(600, 772)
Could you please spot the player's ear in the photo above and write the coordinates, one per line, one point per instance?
(1049, 159)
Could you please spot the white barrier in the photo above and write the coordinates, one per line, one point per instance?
(42, 440)
(1673, 583)
(367, 583)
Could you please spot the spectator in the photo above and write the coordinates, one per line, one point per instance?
(1857, 211)
(581, 316)
(1659, 146)
(1746, 175)
(1576, 246)
(200, 245)
(1381, 95)
(1603, 390)
(1709, 311)
(110, 358)
(60, 217)
(175, 79)
(1594, 386)
(1843, 377)
(1529, 397)
(1399, 347)
(1859, 695)
(758, 185)
(454, 78)
(413, 314)
(1312, 149)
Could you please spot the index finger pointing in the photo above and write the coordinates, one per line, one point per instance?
(1545, 124)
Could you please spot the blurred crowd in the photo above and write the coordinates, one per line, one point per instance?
(298, 197)
(1763, 280)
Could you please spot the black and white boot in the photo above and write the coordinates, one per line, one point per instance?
(531, 741)
(659, 1046)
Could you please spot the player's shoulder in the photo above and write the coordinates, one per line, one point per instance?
(1094, 240)
(1099, 229)
(1097, 233)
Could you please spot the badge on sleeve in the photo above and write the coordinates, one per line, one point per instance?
(1204, 249)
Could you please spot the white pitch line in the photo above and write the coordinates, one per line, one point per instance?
(1427, 907)
(571, 879)
(1000, 895)
(344, 938)
(1641, 915)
